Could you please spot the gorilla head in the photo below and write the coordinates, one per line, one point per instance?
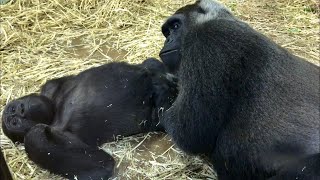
(22, 114)
(182, 21)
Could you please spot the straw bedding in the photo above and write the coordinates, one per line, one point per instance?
(41, 40)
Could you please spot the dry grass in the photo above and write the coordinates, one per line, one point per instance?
(41, 40)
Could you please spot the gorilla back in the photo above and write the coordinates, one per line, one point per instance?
(247, 103)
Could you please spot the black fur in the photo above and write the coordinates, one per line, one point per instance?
(245, 102)
(62, 126)
(4, 170)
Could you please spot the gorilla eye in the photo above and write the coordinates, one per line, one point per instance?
(176, 25)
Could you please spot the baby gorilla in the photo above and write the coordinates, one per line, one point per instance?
(62, 126)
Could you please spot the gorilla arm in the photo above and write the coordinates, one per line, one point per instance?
(65, 154)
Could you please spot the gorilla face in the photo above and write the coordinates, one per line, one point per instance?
(22, 114)
(170, 53)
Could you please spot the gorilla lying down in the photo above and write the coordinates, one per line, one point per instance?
(62, 126)
(246, 103)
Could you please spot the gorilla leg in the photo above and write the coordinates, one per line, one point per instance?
(63, 153)
(154, 65)
(23, 113)
(164, 85)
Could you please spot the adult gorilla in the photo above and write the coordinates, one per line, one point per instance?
(245, 102)
(62, 126)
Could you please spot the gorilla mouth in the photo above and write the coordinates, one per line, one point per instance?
(13, 125)
(168, 52)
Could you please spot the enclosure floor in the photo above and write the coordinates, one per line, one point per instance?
(41, 40)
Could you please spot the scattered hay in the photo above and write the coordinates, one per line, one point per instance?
(41, 40)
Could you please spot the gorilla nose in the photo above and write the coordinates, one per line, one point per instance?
(14, 122)
(168, 40)
(20, 110)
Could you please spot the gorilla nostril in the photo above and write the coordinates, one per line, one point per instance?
(22, 109)
(168, 40)
(14, 122)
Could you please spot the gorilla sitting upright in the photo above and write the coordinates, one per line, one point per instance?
(246, 103)
(62, 126)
